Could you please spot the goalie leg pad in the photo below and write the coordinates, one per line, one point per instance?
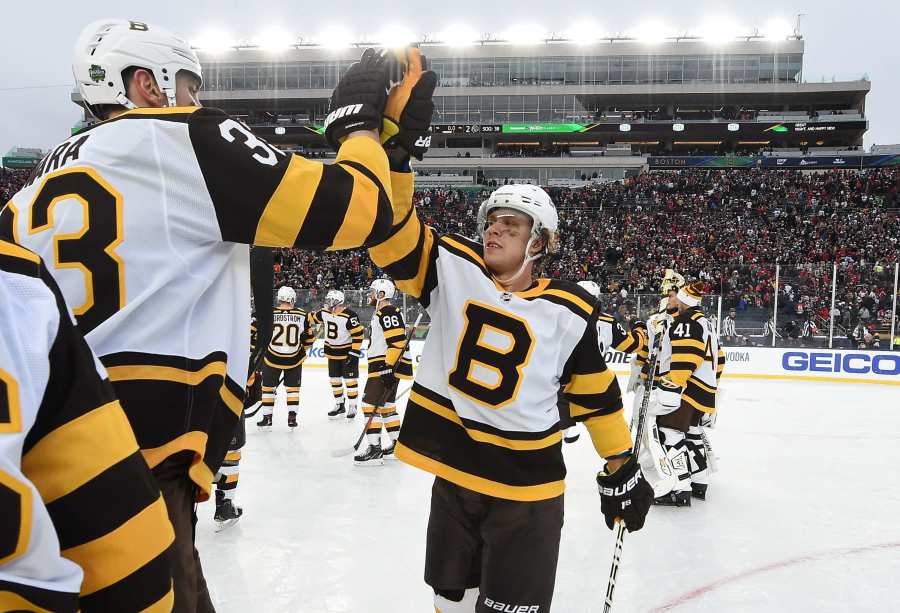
(655, 463)
(676, 448)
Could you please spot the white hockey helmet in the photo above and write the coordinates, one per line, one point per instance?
(107, 47)
(287, 294)
(592, 288)
(528, 199)
(333, 298)
(382, 286)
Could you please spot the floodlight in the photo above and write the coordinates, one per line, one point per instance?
(777, 29)
(395, 36)
(458, 36)
(335, 38)
(525, 34)
(213, 41)
(274, 40)
(651, 32)
(719, 30)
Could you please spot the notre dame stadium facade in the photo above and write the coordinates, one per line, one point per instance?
(558, 112)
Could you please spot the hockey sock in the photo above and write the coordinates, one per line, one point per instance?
(352, 389)
(373, 431)
(452, 601)
(268, 400)
(227, 477)
(390, 420)
(676, 448)
(337, 389)
(697, 455)
(293, 398)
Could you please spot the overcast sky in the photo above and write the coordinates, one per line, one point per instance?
(844, 39)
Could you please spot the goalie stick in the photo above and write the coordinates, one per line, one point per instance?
(337, 453)
(641, 421)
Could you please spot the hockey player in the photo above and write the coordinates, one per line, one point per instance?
(685, 396)
(75, 493)
(343, 348)
(147, 217)
(482, 415)
(291, 339)
(387, 340)
(611, 336)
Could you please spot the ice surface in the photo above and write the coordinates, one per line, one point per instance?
(804, 515)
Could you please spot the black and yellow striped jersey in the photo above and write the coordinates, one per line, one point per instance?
(613, 336)
(145, 221)
(697, 360)
(482, 412)
(387, 341)
(291, 338)
(83, 524)
(342, 330)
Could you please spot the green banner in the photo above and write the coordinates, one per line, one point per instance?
(20, 162)
(541, 128)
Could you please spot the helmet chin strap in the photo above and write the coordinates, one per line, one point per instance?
(525, 261)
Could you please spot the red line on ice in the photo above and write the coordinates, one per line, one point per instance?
(714, 585)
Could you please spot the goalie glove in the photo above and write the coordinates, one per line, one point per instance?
(407, 115)
(625, 495)
(357, 102)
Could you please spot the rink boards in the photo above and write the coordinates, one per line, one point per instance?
(833, 365)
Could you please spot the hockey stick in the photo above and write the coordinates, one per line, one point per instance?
(347, 451)
(642, 418)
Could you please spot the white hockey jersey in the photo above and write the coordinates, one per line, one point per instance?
(692, 359)
(145, 220)
(75, 495)
(482, 412)
(386, 341)
(343, 331)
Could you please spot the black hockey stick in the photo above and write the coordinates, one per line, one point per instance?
(642, 418)
(337, 453)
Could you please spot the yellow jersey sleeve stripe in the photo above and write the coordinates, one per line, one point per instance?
(609, 433)
(364, 192)
(400, 244)
(10, 601)
(165, 373)
(362, 148)
(11, 250)
(163, 605)
(117, 554)
(592, 383)
(93, 442)
(289, 205)
(688, 342)
(402, 184)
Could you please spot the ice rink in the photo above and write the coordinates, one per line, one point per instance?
(803, 515)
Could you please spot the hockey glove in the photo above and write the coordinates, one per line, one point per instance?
(357, 102)
(353, 353)
(389, 381)
(352, 362)
(407, 115)
(625, 495)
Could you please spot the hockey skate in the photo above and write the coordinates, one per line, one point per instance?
(337, 411)
(292, 419)
(388, 452)
(351, 409)
(674, 499)
(227, 513)
(698, 490)
(372, 456)
(265, 424)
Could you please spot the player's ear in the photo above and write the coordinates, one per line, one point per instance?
(144, 91)
(538, 245)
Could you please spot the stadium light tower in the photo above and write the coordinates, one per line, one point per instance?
(275, 40)
(458, 36)
(213, 41)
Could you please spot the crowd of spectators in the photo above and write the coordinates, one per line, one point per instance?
(726, 227)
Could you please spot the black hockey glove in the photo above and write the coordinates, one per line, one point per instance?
(409, 108)
(353, 353)
(389, 381)
(357, 102)
(625, 495)
(637, 324)
(353, 359)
